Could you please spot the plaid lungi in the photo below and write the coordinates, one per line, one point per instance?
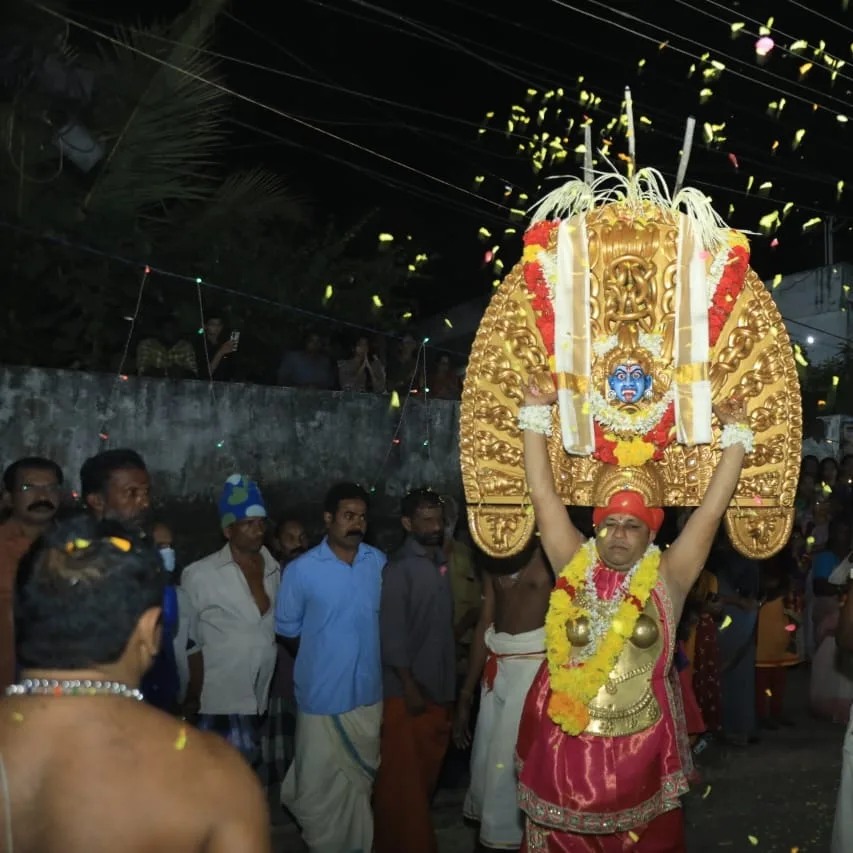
(277, 741)
(242, 731)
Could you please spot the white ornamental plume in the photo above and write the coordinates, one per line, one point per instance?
(647, 186)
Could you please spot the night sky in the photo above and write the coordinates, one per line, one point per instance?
(433, 71)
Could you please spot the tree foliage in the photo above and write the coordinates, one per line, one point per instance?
(160, 193)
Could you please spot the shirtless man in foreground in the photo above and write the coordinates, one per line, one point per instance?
(88, 768)
(508, 649)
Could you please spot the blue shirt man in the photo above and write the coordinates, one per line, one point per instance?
(333, 607)
(327, 614)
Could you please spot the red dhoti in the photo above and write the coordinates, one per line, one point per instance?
(411, 754)
(593, 792)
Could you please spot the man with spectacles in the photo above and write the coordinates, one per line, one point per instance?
(32, 488)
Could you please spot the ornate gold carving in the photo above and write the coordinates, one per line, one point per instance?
(632, 273)
(498, 483)
(608, 479)
(500, 530)
(759, 532)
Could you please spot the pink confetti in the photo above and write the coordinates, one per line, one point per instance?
(790, 628)
(703, 255)
(733, 161)
(774, 242)
(758, 499)
(764, 45)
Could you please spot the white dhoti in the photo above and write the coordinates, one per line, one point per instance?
(492, 799)
(328, 786)
(842, 829)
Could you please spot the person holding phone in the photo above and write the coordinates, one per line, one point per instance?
(215, 352)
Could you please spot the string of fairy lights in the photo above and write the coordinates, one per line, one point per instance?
(418, 387)
(546, 152)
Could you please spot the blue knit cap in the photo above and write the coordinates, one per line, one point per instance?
(241, 498)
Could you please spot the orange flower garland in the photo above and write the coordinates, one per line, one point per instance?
(575, 684)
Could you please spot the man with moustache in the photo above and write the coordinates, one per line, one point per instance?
(419, 674)
(327, 615)
(115, 486)
(230, 596)
(291, 541)
(31, 493)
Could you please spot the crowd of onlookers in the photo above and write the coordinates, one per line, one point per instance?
(366, 363)
(748, 622)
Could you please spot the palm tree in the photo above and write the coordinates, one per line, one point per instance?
(157, 114)
(158, 192)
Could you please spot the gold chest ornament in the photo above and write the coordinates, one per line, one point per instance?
(625, 704)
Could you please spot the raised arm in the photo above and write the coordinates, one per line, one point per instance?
(682, 563)
(560, 538)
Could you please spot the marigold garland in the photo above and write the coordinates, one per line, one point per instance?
(536, 239)
(575, 685)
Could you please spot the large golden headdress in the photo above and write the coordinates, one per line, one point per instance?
(644, 310)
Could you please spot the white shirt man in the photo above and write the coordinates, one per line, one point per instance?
(232, 597)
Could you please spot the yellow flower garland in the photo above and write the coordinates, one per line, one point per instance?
(632, 452)
(575, 685)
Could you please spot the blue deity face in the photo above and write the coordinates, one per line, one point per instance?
(629, 382)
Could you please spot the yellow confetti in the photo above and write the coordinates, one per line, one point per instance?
(395, 400)
(377, 301)
(181, 740)
(386, 238)
(768, 692)
(634, 837)
(706, 792)
(17, 717)
(726, 622)
(752, 840)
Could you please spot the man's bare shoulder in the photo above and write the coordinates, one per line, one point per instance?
(133, 761)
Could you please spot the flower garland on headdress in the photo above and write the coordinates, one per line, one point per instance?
(575, 684)
(726, 281)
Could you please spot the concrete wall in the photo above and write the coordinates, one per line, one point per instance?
(192, 434)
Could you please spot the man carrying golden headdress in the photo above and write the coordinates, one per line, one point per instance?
(602, 754)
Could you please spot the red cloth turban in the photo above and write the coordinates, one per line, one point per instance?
(629, 502)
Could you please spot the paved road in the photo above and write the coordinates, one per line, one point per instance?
(775, 797)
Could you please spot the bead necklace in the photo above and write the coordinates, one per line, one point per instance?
(72, 687)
